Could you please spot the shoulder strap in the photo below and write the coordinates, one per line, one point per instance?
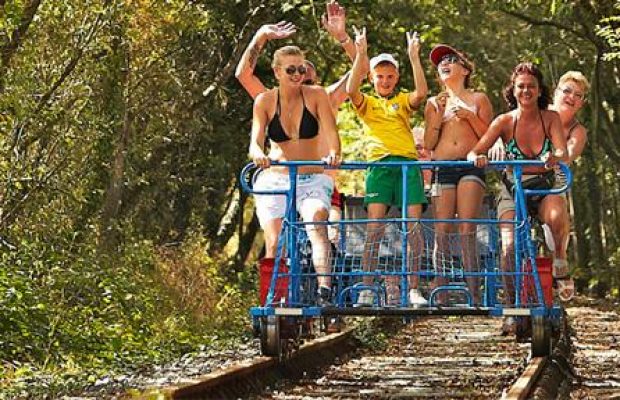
(303, 100)
(542, 121)
(515, 118)
(278, 111)
(575, 124)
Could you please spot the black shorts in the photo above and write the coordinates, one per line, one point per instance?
(449, 177)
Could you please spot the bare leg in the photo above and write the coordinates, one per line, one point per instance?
(320, 247)
(271, 233)
(508, 252)
(416, 243)
(333, 229)
(552, 211)
(469, 202)
(443, 208)
(374, 233)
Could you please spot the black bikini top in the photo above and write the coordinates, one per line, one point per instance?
(308, 128)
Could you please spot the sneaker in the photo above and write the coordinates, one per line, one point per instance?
(416, 299)
(365, 298)
(323, 298)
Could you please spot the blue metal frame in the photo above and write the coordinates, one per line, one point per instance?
(521, 223)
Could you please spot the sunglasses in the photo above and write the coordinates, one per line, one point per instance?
(449, 59)
(568, 91)
(291, 69)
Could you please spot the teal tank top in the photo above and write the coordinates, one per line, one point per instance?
(514, 152)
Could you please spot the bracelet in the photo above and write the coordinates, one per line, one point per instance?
(345, 41)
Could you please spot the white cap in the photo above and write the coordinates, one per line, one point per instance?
(381, 58)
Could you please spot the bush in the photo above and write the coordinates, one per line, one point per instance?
(90, 314)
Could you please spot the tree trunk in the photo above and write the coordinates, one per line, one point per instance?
(113, 195)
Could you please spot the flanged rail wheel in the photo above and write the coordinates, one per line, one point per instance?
(270, 340)
(542, 341)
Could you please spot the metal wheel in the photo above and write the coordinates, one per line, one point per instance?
(270, 340)
(541, 337)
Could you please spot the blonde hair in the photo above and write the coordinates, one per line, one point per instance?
(283, 52)
(577, 77)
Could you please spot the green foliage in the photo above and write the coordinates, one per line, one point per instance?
(609, 30)
(82, 314)
(123, 130)
(369, 334)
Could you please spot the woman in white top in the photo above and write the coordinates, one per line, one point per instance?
(568, 99)
(455, 119)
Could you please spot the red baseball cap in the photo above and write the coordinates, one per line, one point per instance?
(441, 50)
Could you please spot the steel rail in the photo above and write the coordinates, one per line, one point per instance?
(523, 387)
(261, 371)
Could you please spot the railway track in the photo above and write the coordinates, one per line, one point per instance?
(595, 360)
(432, 357)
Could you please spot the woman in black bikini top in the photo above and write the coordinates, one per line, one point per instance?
(297, 119)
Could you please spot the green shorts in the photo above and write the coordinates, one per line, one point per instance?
(384, 185)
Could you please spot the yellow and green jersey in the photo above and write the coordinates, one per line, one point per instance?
(386, 121)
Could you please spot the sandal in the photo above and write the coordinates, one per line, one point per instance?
(566, 286)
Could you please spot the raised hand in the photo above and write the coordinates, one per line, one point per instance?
(334, 21)
(413, 44)
(360, 40)
(281, 30)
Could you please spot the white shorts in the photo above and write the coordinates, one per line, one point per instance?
(314, 192)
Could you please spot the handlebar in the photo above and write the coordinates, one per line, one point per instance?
(543, 192)
(358, 165)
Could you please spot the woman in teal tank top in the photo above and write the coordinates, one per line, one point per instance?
(531, 132)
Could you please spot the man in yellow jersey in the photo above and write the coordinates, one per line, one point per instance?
(386, 120)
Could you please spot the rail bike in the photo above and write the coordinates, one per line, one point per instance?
(462, 271)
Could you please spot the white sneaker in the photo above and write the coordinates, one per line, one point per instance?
(416, 299)
(365, 298)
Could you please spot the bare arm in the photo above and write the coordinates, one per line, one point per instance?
(334, 22)
(557, 138)
(327, 126)
(359, 67)
(576, 143)
(245, 68)
(417, 96)
(337, 92)
(496, 129)
(433, 119)
(257, 138)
